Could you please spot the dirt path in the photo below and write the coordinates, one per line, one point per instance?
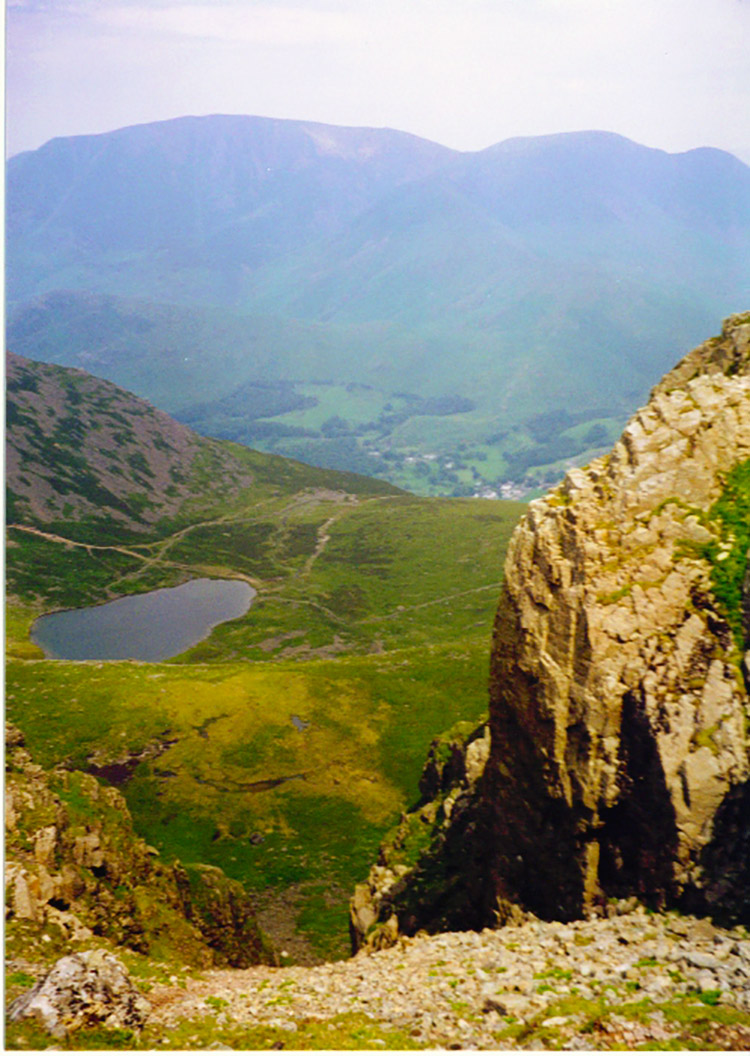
(426, 604)
(73, 542)
(323, 541)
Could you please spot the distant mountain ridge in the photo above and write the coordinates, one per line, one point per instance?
(543, 272)
(227, 190)
(237, 192)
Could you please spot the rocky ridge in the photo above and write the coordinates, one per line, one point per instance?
(618, 710)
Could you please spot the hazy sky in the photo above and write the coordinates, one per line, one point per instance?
(467, 73)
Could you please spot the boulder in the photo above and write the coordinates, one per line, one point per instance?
(90, 989)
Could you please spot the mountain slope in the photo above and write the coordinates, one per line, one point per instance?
(80, 449)
(214, 194)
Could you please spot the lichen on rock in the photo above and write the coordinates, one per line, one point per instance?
(83, 990)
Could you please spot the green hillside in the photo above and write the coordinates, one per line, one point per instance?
(284, 745)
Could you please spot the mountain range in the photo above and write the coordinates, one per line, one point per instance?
(187, 258)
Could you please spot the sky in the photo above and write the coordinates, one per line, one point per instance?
(467, 73)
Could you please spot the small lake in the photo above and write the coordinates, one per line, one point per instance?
(151, 626)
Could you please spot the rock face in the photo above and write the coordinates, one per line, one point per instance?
(618, 704)
(83, 990)
(618, 709)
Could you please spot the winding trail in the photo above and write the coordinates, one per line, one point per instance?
(323, 541)
(426, 604)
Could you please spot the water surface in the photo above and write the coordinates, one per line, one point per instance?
(151, 626)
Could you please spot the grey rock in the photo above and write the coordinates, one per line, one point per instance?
(597, 643)
(701, 930)
(702, 960)
(83, 989)
(506, 1004)
(707, 981)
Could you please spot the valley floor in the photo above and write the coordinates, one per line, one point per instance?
(635, 980)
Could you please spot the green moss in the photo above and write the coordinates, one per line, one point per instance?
(554, 973)
(709, 997)
(22, 979)
(615, 595)
(729, 560)
(344, 1032)
(706, 739)
(692, 1018)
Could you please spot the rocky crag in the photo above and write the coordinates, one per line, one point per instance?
(77, 874)
(429, 871)
(618, 703)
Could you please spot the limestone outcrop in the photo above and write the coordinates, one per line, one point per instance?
(618, 708)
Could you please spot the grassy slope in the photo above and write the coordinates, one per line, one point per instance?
(371, 624)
